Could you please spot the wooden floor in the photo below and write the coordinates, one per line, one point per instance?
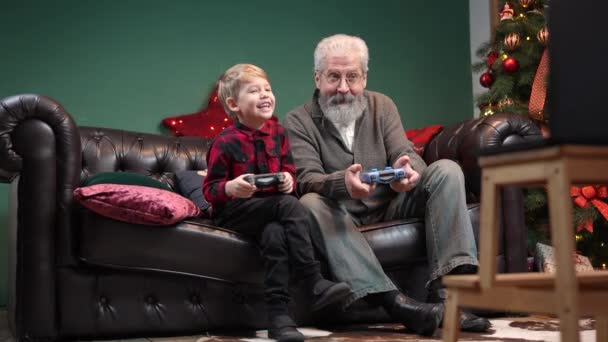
(513, 329)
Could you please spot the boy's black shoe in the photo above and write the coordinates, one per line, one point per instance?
(421, 318)
(283, 329)
(327, 292)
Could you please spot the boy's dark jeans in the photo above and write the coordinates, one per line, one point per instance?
(281, 225)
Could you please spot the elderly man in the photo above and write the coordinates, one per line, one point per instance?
(345, 129)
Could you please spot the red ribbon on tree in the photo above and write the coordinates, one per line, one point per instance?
(590, 195)
(536, 106)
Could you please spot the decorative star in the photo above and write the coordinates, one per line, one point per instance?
(206, 123)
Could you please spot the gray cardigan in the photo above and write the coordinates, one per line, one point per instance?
(321, 156)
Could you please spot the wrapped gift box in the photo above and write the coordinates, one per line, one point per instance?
(545, 260)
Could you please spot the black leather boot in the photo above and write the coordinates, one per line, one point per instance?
(327, 293)
(283, 329)
(468, 321)
(421, 318)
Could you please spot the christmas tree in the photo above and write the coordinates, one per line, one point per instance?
(511, 60)
(515, 65)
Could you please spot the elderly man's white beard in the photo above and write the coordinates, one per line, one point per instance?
(342, 109)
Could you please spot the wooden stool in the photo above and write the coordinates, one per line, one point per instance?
(566, 293)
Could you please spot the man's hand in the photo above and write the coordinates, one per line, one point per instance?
(409, 182)
(287, 185)
(240, 188)
(356, 189)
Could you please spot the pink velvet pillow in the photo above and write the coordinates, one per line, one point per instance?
(136, 204)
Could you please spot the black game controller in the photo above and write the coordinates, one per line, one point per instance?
(383, 177)
(265, 180)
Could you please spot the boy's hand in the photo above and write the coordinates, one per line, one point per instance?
(356, 189)
(409, 182)
(240, 188)
(287, 185)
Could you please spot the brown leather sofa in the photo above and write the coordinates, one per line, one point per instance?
(77, 275)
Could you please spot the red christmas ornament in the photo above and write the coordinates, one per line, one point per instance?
(486, 79)
(510, 65)
(206, 123)
(492, 56)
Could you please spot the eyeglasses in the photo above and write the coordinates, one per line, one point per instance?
(352, 78)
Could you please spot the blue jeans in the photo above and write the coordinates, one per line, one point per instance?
(439, 198)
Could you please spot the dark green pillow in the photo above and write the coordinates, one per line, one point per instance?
(126, 178)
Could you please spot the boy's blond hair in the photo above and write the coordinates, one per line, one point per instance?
(230, 83)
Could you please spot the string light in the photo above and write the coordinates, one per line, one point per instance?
(578, 237)
(527, 38)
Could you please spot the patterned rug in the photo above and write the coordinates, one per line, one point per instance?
(519, 329)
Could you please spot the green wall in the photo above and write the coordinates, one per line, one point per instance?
(128, 64)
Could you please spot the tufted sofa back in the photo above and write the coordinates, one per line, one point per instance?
(153, 155)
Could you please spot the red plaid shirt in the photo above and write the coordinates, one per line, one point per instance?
(239, 149)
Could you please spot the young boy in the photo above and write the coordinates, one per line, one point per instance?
(257, 144)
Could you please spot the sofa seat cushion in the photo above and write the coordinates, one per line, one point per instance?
(197, 247)
(193, 246)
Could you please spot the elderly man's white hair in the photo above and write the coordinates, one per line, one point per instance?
(341, 44)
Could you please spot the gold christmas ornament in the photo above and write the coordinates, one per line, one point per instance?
(506, 102)
(543, 36)
(526, 3)
(512, 41)
(486, 109)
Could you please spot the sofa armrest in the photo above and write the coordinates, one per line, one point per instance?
(461, 142)
(40, 156)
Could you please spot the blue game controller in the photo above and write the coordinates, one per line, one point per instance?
(385, 176)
